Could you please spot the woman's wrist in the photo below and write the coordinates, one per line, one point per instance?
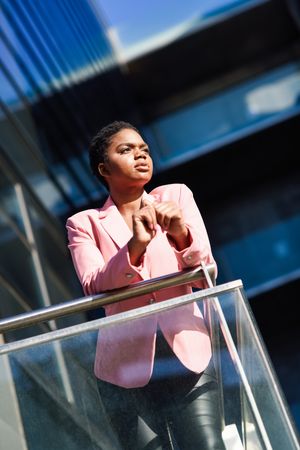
(182, 239)
(136, 250)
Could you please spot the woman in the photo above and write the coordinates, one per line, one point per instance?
(133, 237)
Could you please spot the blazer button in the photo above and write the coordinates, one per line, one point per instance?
(128, 275)
(151, 301)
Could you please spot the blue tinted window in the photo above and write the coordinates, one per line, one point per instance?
(205, 125)
(262, 257)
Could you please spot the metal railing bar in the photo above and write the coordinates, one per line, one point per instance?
(18, 298)
(119, 318)
(96, 301)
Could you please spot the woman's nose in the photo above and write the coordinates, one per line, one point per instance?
(139, 153)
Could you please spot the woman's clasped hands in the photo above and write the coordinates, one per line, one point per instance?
(146, 222)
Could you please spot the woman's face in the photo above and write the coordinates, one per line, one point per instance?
(128, 161)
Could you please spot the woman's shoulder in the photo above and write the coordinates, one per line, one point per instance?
(170, 191)
(89, 215)
(85, 216)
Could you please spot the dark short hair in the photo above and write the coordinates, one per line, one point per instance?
(100, 143)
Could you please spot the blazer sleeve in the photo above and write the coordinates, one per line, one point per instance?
(93, 272)
(199, 249)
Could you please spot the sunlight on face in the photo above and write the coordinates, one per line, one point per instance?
(128, 160)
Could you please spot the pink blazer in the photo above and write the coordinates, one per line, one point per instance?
(98, 244)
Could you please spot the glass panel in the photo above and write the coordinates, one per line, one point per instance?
(265, 404)
(59, 395)
(55, 415)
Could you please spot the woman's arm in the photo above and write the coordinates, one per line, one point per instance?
(95, 274)
(195, 247)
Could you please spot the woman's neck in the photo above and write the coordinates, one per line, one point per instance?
(129, 201)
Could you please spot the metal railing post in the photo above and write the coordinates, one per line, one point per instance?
(215, 339)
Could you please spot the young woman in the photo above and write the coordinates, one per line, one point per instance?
(157, 369)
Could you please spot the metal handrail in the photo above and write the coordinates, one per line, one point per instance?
(103, 299)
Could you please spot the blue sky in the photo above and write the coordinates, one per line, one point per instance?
(137, 20)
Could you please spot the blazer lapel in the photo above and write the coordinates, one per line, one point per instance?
(114, 224)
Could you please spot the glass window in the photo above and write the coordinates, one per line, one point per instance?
(205, 125)
(271, 253)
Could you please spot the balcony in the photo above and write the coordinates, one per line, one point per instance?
(49, 396)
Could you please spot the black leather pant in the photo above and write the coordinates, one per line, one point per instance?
(183, 405)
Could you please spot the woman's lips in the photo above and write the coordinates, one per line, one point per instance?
(142, 167)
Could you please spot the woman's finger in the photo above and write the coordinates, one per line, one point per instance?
(148, 213)
(165, 213)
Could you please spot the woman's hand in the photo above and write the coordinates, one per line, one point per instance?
(144, 225)
(169, 217)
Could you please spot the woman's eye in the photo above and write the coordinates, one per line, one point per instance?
(125, 150)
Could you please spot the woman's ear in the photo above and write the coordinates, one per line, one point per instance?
(103, 170)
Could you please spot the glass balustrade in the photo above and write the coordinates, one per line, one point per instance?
(50, 405)
(252, 397)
